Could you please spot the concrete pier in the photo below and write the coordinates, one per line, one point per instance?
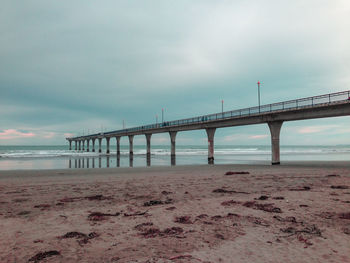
(93, 144)
(131, 145)
(210, 133)
(99, 145)
(83, 145)
(70, 145)
(321, 106)
(88, 145)
(118, 145)
(107, 140)
(275, 129)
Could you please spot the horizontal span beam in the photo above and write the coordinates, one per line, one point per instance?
(321, 111)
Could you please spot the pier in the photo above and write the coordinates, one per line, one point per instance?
(274, 115)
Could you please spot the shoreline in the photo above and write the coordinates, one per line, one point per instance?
(295, 212)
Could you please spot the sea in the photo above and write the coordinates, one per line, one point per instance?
(60, 157)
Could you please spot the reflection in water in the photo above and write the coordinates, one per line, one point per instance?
(131, 159)
(210, 160)
(118, 160)
(173, 159)
(148, 159)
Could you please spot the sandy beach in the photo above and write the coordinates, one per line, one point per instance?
(219, 213)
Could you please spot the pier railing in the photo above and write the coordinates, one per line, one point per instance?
(269, 108)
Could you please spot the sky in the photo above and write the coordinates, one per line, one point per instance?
(69, 68)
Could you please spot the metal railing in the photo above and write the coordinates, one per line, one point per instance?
(269, 108)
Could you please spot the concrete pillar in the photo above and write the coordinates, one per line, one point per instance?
(118, 145)
(70, 145)
(93, 145)
(107, 140)
(99, 145)
(148, 155)
(88, 145)
(131, 144)
(76, 145)
(210, 133)
(83, 145)
(172, 140)
(148, 140)
(79, 147)
(275, 128)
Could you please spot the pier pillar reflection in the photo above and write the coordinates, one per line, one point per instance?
(107, 140)
(99, 145)
(93, 162)
(118, 160)
(210, 133)
(118, 145)
(131, 144)
(107, 161)
(70, 163)
(93, 145)
(275, 129)
(99, 162)
(131, 160)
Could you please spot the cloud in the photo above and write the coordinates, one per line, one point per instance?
(15, 134)
(258, 136)
(316, 129)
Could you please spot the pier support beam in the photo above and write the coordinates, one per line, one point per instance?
(148, 156)
(275, 128)
(88, 145)
(118, 145)
(99, 145)
(79, 145)
(131, 144)
(93, 145)
(210, 133)
(148, 140)
(107, 140)
(76, 145)
(173, 144)
(83, 145)
(173, 147)
(70, 145)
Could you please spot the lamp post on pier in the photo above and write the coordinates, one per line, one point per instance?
(259, 93)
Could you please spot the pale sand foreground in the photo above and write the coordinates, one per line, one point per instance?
(305, 218)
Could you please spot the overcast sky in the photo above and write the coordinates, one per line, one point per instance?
(72, 67)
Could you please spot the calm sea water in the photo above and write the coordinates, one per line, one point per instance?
(59, 157)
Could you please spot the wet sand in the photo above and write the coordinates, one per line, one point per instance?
(288, 213)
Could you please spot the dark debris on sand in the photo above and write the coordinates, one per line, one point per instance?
(232, 173)
(221, 190)
(344, 215)
(82, 238)
(340, 187)
(158, 202)
(154, 232)
(98, 216)
(183, 220)
(264, 207)
(42, 255)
